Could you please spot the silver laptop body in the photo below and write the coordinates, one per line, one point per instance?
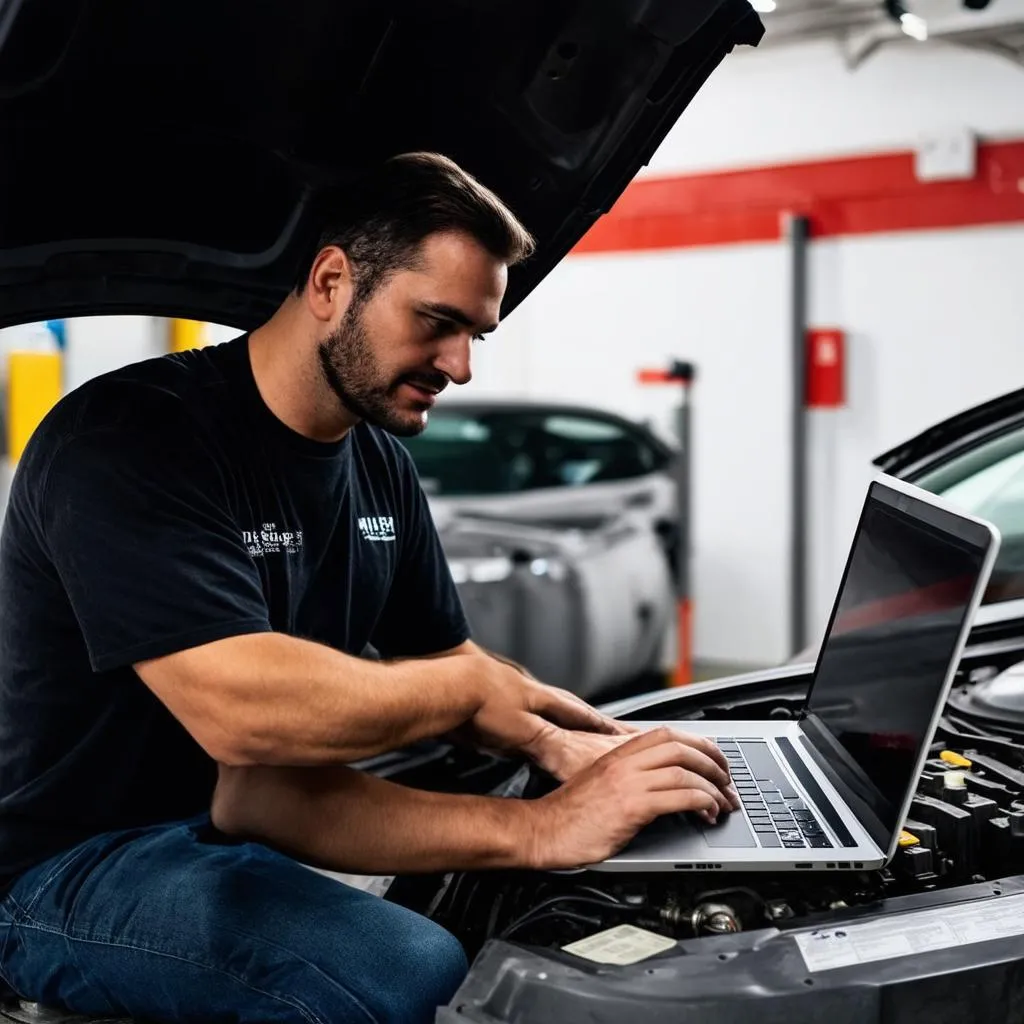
(832, 788)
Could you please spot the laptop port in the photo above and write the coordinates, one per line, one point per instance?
(799, 866)
(683, 867)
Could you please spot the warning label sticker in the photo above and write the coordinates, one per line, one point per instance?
(623, 945)
(906, 934)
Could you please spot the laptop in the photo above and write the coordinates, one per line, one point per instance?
(831, 788)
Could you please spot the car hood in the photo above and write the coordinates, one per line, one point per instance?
(169, 157)
(953, 434)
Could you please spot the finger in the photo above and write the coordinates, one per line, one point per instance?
(568, 711)
(679, 778)
(624, 728)
(706, 745)
(674, 752)
(635, 744)
(679, 801)
(613, 725)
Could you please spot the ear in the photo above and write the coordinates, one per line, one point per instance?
(330, 285)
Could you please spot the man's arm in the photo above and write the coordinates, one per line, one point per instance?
(272, 699)
(347, 820)
(344, 820)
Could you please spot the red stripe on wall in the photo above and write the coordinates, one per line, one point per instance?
(853, 196)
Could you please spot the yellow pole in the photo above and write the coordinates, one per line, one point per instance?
(187, 334)
(33, 388)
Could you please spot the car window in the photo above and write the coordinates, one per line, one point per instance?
(461, 455)
(988, 481)
(503, 452)
(583, 450)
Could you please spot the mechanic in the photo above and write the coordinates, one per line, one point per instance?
(220, 586)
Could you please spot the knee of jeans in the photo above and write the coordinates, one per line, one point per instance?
(434, 966)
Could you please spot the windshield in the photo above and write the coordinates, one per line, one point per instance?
(507, 451)
(988, 481)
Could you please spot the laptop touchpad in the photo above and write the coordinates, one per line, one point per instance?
(731, 832)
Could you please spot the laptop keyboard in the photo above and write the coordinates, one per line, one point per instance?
(774, 809)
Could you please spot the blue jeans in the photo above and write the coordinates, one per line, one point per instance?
(175, 923)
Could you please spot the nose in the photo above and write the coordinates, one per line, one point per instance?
(453, 359)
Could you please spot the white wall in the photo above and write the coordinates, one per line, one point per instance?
(798, 103)
(597, 320)
(97, 344)
(935, 324)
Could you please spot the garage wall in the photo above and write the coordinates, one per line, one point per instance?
(934, 317)
(772, 106)
(98, 344)
(586, 331)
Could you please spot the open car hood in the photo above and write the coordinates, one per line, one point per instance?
(168, 157)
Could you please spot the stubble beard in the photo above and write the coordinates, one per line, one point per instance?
(350, 369)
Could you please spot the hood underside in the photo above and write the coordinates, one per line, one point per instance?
(169, 157)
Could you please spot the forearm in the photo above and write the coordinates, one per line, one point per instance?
(345, 820)
(272, 699)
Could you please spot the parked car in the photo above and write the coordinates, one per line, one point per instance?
(585, 608)
(545, 464)
(540, 505)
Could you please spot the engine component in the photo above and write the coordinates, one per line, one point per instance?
(955, 759)
(954, 788)
(715, 919)
(952, 827)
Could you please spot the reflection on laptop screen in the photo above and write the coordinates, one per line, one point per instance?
(907, 588)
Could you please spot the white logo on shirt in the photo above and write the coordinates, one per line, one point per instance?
(269, 540)
(377, 528)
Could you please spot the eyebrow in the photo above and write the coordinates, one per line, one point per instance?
(457, 315)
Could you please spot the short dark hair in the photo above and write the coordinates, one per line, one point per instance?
(381, 220)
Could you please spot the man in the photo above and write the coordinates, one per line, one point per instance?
(198, 551)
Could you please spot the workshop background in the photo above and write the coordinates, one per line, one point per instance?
(831, 239)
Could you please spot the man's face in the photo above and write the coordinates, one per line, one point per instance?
(390, 356)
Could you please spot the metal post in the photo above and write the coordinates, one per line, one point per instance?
(684, 373)
(799, 233)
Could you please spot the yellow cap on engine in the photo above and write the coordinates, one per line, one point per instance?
(908, 839)
(955, 759)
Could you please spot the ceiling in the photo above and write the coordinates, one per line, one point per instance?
(863, 26)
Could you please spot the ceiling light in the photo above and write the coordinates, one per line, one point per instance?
(914, 26)
(763, 6)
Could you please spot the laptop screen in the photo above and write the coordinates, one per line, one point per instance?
(907, 589)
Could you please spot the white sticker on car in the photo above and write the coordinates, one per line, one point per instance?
(921, 931)
(623, 945)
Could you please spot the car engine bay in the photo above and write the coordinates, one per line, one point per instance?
(963, 842)
(966, 826)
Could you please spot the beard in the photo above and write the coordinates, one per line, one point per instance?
(351, 370)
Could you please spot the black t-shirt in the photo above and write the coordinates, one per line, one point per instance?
(164, 506)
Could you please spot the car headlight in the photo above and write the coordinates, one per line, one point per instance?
(493, 569)
(551, 567)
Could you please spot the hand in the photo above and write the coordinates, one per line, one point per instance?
(565, 752)
(517, 712)
(598, 811)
